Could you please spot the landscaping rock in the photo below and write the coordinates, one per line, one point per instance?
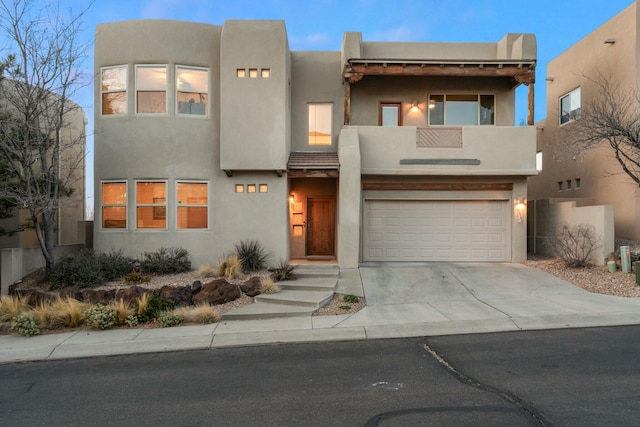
(95, 296)
(251, 287)
(179, 295)
(218, 291)
(196, 286)
(130, 294)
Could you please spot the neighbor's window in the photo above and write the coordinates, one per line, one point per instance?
(539, 161)
(113, 83)
(192, 86)
(570, 107)
(461, 110)
(193, 205)
(114, 205)
(389, 114)
(151, 204)
(320, 116)
(151, 89)
(265, 73)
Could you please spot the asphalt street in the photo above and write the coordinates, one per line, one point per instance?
(560, 377)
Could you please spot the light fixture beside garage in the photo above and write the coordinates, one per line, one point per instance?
(520, 205)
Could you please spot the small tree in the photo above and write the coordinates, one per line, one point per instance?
(574, 245)
(41, 152)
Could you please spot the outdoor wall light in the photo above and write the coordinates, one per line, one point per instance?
(520, 205)
(414, 105)
(291, 198)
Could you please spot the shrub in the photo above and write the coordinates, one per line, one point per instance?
(100, 316)
(114, 265)
(252, 255)
(268, 286)
(149, 306)
(25, 325)
(202, 313)
(66, 313)
(573, 245)
(168, 319)
(284, 271)
(229, 268)
(136, 276)
(122, 311)
(351, 299)
(132, 320)
(12, 306)
(166, 261)
(207, 270)
(81, 269)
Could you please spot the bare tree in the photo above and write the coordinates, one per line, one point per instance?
(41, 142)
(611, 117)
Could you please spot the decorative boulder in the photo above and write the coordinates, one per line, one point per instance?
(216, 292)
(179, 295)
(251, 287)
(130, 294)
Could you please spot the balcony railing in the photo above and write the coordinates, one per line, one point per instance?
(439, 137)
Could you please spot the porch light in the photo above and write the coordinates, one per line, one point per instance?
(520, 205)
(291, 198)
(414, 104)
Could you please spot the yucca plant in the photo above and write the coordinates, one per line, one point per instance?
(252, 255)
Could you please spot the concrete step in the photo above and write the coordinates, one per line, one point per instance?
(316, 270)
(314, 299)
(258, 311)
(310, 284)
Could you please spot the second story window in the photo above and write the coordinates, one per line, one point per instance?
(192, 90)
(320, 124)
(570, 107)
(113, 88)
(151, 89)
(461, 110)
(390, 114)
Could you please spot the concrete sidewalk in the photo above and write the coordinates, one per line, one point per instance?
(403, 300)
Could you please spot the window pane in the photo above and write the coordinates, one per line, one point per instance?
(461, 110)
(114, 193)
(320, 116)
(487, 110)
(114, 79)
(570, 106)
(390, 114)
(192, 193)
(192, 103)
(114, 103)
(152, 216)
(192, 80)
(436, 110)
(151, 78)
(192, 217)
(114, 217)
(152, 102)
(151, 193)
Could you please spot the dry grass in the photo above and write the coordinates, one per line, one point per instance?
(122, 311)
(60, 313)
(268, 286)
(142, 302)
(203, 313)
(230, 268)
(207, 270)
(11, 306)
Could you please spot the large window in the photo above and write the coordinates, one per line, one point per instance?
(461, 110)
(570, 107)
(193, 205)
(151, 89)
(320, 124)
(192, 90)
(113, 83)
(151, 204)
(390, 114)
(114, 205)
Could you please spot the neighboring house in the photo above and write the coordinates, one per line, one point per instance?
(591, 177)
(71, 214)
(207, 135)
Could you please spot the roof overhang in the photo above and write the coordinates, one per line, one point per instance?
(313, 164)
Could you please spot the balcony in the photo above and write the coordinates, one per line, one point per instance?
(468, 150)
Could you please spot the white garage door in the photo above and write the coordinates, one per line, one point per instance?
(474, 230)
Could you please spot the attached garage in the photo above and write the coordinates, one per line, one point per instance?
(437, 230)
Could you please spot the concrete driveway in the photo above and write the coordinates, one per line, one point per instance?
(481, 296)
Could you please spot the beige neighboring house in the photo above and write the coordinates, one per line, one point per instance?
(592, 177)
(383, 151)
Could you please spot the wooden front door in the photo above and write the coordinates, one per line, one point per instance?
(320, 226)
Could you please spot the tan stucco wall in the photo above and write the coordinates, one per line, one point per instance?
(601, 178)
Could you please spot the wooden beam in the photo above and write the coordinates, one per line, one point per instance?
(358, 71)
(531, 115)
(314, 173)
(347, 103)
(437, 186)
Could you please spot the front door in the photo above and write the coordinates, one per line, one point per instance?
(320, 226)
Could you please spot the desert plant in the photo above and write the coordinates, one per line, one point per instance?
(353, 299)
(114, 264)
(100, 316)
(229, 267)
(573, 245)
(81, 269)
(268, 286)
(12, 306)
(284, 271)
(166, 261)
(25, 325)
(149, 305)
(252, 255)
(132, 320)
(345, 307)
(168, 319)
(42, 313)
(65, 313)
(122, 311)
(201, 313)
(136, 276)
(207, 270)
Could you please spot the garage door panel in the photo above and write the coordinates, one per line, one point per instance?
(436, 230)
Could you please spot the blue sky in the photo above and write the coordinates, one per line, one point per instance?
(319, 25)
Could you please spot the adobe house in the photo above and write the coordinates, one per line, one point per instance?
(211, 134)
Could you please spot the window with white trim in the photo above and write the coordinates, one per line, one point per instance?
(113, 89)
(570, 109)
(114, 205)
(461, 110)
(192, 91)
(151, 204)
(320, 124)
(151, 89)
(193, 205)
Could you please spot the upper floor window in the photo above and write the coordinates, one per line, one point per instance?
(539, 161)
(193, 205)
(390, 114)
(320, 116)
(151, 89)
(461, 110)
(151, 204)
(570, 107)
(114, 204)
(192, 87)
(113, 87)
